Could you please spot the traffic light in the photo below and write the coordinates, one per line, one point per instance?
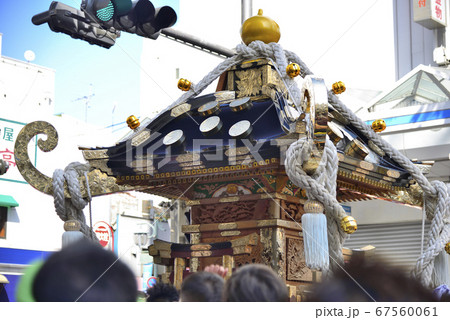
(100, 21)
(63, 18)
(139, 17)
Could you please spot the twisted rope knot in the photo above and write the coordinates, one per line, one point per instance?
(321, 187)
(438, 211)
(70, 209)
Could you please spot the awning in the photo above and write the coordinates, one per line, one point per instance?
(8, 201)
(3, 279)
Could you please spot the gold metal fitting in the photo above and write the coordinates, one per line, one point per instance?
(356, 149)
(133, 122)
(312, 206)
(378, 125)
(184, 84)
(72, 225)
(348, 224)
(447, 247)
(293, 70)
(338, 87)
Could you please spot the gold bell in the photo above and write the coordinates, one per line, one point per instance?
(447, 247)
(378, 125)
(133, 122)
(184, 84)
(293, 70)
(348, 224)
(338, 87)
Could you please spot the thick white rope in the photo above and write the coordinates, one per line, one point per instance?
(71, 209)
(438, 235)
(432, 196)
(321, 187)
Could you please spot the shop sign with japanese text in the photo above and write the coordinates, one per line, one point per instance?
(9, 129)
(430, 13)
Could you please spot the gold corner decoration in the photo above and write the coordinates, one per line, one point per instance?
(28, 171)
(99, 183)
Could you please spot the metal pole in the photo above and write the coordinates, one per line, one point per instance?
(246, 9)
(197, 43)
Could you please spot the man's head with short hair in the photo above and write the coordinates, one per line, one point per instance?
(162, 292)
(202, 287)
(84, 271)
(368, 280)
(255, 283)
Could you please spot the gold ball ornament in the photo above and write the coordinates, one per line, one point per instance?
(447, 247)
(184, 84)
(378, 125)
(338, 87)
(293, 70)
(261, 28)
(348, 224)
(133, 122)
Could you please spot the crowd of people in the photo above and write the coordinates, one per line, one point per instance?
(84, 271)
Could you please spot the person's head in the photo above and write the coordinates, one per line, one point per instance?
(84, 271)
(255, 283)
(363, 280)
(162, 292)
(202, 287)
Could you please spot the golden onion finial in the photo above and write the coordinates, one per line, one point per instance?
(293, 70)
(338, 87)
(184, 84)
(261, 28)
(447, 247)
(348, 224)
(378, 125)
(133, 122)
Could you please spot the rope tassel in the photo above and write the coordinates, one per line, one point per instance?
(314, 224)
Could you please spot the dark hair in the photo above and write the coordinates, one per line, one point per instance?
(363, 280)
(255, 283)
(162, 292)
(84, 271)
(202, 287)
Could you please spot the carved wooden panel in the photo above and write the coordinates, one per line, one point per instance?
(296, 266)
(290, 210)
(230, 212)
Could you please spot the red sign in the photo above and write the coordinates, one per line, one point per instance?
(104, 234)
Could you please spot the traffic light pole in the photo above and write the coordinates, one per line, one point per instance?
(197, 43)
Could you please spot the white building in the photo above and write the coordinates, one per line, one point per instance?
(29, 226)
